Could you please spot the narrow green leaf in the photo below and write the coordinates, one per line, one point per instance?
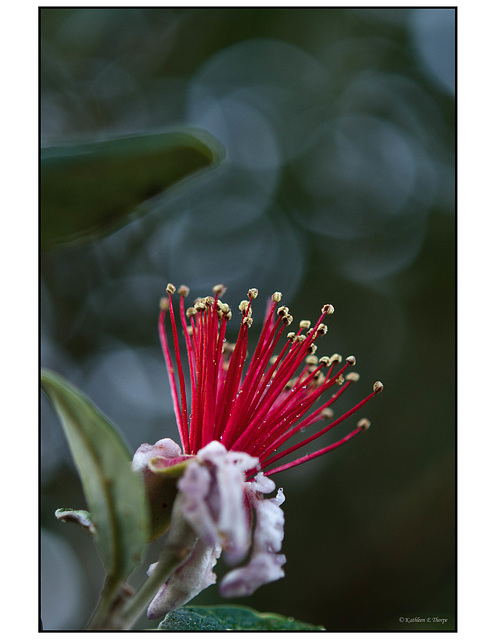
(115, 494)
(230, 618)
(90, 190)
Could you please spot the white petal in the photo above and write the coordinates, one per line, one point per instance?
(233, 518)
(261, 483)
(243, 460)
(265, 564)
(195, 486)
(213, 453)
(187, 581)
(263, 568)
(269, 530)
(215, 503)
(279, 498)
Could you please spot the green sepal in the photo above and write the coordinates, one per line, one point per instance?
(230, 618)
(168, 471)
(161, 492)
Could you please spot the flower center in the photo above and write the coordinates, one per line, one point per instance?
(253, 405)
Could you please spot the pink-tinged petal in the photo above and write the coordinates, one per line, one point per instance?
(269, 530)
(213, 453)
(265, 564)
(262, 569)
(227, 499)
(233, 519)
(261, 484)
(187, 581)
(195, 486)
(165, 448)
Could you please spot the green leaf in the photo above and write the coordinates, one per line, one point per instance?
(114, 492)
(230, 618)
(90, 190)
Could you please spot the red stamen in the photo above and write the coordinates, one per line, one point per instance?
(251, 389)
(333, 424)
(173, 387)
(231, 383)
(261, 411)
(277, 436)
(316, 454)
(180, 372)
(190, 350)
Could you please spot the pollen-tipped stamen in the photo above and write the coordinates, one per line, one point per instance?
(277, 435)
(333, 424)
(315, 454)
(272, 386)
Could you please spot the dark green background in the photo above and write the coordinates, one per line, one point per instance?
(338, 187)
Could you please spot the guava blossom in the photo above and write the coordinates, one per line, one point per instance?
(234, 422)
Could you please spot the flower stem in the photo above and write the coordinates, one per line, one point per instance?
(106, 617)
(179, 543)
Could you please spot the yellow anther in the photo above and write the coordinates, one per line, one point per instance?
(219, 289)
(377, 387)
(364, 424)
(352, 377)
(183, 290)
(228, 348)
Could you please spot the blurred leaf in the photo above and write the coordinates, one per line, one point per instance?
(115, 494)
(90, 190)
(230, 618)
